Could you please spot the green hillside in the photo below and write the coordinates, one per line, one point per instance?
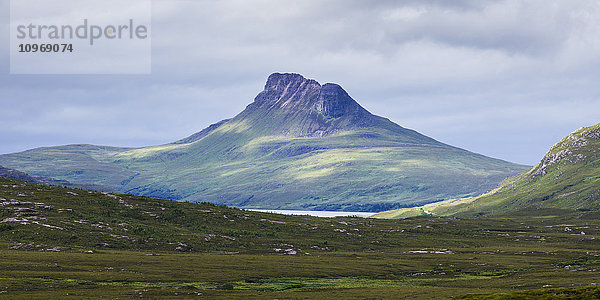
(566, 179)
(42, 217)
(58, 242)
(299, 145)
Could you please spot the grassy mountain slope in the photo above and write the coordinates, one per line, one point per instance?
(299, 145)
(567, 178)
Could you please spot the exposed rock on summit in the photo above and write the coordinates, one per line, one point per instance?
(571, 149)
(303, 107)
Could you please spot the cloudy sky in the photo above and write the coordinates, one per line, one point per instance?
(503, 78)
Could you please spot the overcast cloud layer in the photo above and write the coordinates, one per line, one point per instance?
(503, 78)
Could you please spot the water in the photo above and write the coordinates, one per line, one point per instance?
(316, 213)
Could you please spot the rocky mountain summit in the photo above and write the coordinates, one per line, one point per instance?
(294, 106)
(311, 109)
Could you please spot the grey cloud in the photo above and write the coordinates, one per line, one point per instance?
(528, 27)
(503, 78)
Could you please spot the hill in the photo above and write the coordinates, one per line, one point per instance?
(55, 218)
(298, 145)
(16, 174)
(567, 179)
(58, 242)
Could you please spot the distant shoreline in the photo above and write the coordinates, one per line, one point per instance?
(317, 213)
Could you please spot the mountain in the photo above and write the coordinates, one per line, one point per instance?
(298, 145)
(567, 179)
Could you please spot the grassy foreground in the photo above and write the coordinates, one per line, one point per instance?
(58, 242)
(128, 274)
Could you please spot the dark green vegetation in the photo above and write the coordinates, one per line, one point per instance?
(566, 180)
(572, 293)
(299, 145)
(56, 241)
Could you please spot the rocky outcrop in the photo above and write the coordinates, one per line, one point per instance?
(568, 150)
